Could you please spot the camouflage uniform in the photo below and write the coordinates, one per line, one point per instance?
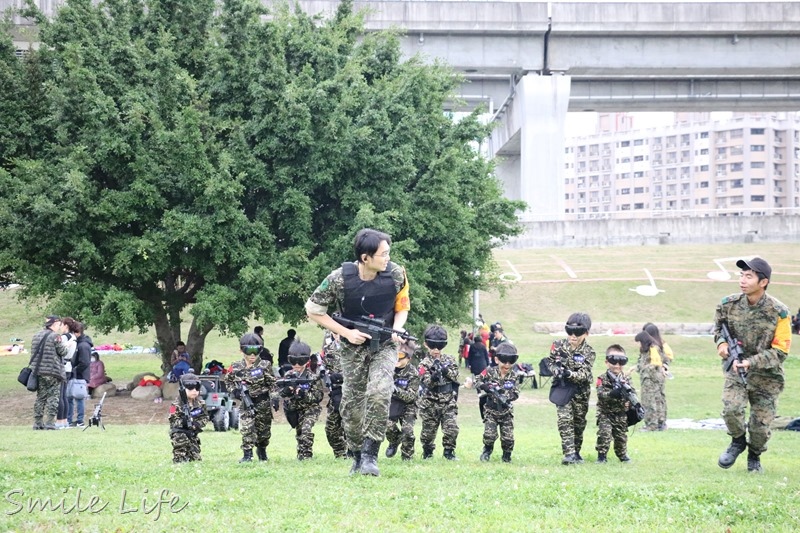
(495, 415)
(572, 417)
(47, 396)
(304, 404)
(368, 376)
(185, 442)
(765, 337)
(255, 427)
(653, 398)
(612, 420)
(406, 383)
(439, 404)
(333, 422)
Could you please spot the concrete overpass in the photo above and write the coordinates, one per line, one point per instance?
(531, 62)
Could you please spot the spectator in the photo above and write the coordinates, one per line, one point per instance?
(652, 369)
(49, 370)
(97, 372)
(69, 337)
(81, 369)
(283, 348)
(259, 331)
(179, 353)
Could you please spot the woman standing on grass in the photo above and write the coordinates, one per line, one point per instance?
(653, 367)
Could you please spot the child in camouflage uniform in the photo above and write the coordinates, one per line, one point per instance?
(439, 404)
(183, 429)
(301, 399)
(498, 384)
(255, 374)
(571, 361)
(403, 408)
(612, 406)
(334, 431)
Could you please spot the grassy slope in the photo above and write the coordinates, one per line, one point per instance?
(673, 484)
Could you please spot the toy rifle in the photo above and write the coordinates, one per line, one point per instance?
(97, 417)
(735, 352)
(374, 328)
(499, 399)
(247, 400)
(621, 383)
(294, 382)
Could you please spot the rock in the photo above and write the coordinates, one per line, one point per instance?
(109, 388)
(146, 392)
(169, 391)
(138, 377)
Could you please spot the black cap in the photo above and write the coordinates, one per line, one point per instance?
(755, 264)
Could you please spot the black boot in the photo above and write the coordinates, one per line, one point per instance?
(754, 462)
(569, 459)
(427, 452)
(450, 454)
(391, 450)
(487, 453)
(728, 457)
(261, 452)
(507, 457)
(356, 462)
(601, 458)
(248, 456)
(369, 458)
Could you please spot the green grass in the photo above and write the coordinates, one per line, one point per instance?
(673, 483)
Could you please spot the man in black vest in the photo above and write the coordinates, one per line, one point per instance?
(375, 287)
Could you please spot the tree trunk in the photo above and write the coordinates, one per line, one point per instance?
(165, 337)
(196, 344)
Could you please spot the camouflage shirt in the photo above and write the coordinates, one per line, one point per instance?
(444, 388)
(605, 402)
(331, 291)
(305, 395)
(507, 387)
(406, 384)
(197, 411)
(579, 361)
(259, 378)
(762, 329)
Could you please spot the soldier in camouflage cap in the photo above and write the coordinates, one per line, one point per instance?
(760, 324)
(185, 424)
(375, 286)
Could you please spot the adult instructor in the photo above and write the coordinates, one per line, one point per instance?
(372, 285)
(760, 324)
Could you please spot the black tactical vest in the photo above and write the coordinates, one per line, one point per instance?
(375, 297)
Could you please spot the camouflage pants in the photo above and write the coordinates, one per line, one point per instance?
(652, 397)
(185, 448)
(612, 426)
(434, 414)
(401, 432)
(762, 394)
(46, 405)
(572, 421)
(366, 392)
(335, 432)
(304, 432)
(256, 429)
(505, 423)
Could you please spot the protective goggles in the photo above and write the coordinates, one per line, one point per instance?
(299, 359)
(435, 345)
(192, 386)
(507, 358)
(615, 359)
(576, 330)
(251, 349)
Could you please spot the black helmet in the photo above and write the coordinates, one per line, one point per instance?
(299, 353)
(506, 353)
(435, 337)
(189, 378)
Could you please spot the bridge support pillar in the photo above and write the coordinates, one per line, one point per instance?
(536, 177)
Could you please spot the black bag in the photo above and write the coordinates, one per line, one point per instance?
(635, 414)
(335, 397)
(397, 408)
(292, 416)
(562, 391)
(27, 376)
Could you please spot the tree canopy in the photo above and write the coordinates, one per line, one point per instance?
(164, 155)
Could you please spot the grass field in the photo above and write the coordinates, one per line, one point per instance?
(673, 483)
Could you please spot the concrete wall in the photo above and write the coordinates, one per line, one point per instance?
(640, 232)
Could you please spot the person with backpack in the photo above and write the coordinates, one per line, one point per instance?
(81, 369)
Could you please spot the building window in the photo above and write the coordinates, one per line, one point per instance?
(638, 190)
(638, 158)
(757, 164)
(704, 185)
(626, 207)
(757, 181)
(639, 174)
(737, 184)
(757, 198)
(737, 134)
(638, 142)
(756, 147)
(704, 201)
(624, 144)
(703, 168)
(638, 206)
(737, 167)
(625, 191)
(756, 131)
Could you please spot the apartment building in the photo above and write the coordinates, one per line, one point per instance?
(745, 165)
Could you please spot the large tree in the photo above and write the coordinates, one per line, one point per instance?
(222, 164)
